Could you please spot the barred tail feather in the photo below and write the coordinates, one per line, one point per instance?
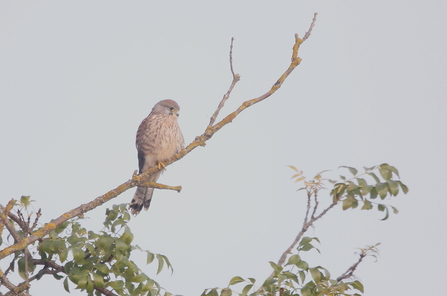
(142, 198)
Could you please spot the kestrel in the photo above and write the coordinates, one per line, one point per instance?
(158, 139)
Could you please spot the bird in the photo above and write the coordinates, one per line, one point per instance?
(158, 139)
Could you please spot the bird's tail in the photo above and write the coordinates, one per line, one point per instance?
(142, 198)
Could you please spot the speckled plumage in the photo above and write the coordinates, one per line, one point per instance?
(158, 138)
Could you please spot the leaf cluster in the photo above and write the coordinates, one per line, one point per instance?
(356, 190)
(97, 263)
(295, 278)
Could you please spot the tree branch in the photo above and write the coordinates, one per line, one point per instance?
(348, 273)
(13, 289)
(236, 78)
(137, 179)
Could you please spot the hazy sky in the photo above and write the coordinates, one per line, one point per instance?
(77, 78)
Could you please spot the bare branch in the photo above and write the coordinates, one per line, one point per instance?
(160, 186)
(348, 273)
(307, 35)
(236, 78)
(38, 214)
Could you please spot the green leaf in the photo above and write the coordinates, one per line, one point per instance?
(373, 193)
(293, 168)
(22, 267)
(375, 177)
(357, 285)
(353, 171)
(385, 173)
(236, 280)
(394, 170)
(25, 201)
(226, 292)
(61, 227)
(293, 260)
(369, 169)
(303, 265)
(387, 214)
(121, 245)
(316, 274)
(63, 255)
(339, 190)
(168, 263)
(347, 203)
(82, 281)
(150, 257)
(327, 274)
(403, 187)
(78, 254)
(306, 291)
(364, 187)
(351, 186)
(302, 275)
(213, 292)
(98, 280)
(102, 268)
(275, 267)
(90, 285)
(66, 287)
(382, 189)
(161, 263)
(269, 282)
(246, 289)
(57, 276)
(393, 187)
(139, 278)
(111, 215)
(367, 205)
(291, 276)
(395, 211)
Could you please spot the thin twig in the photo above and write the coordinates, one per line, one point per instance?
(161, 186)
(38, 214)
(236, 78)
(348, 273)
(316, 206)
(307, 35)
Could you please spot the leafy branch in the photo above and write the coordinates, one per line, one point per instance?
(289, 273)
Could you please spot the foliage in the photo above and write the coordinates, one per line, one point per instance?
(92, 261)
(99, 262)
(292, 276)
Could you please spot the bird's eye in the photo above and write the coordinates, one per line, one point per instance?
(172, 108)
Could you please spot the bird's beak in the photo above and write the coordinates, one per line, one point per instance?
(175, 112)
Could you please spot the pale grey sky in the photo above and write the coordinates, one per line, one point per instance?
(76, 79)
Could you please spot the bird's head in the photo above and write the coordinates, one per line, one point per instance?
(169, 107)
